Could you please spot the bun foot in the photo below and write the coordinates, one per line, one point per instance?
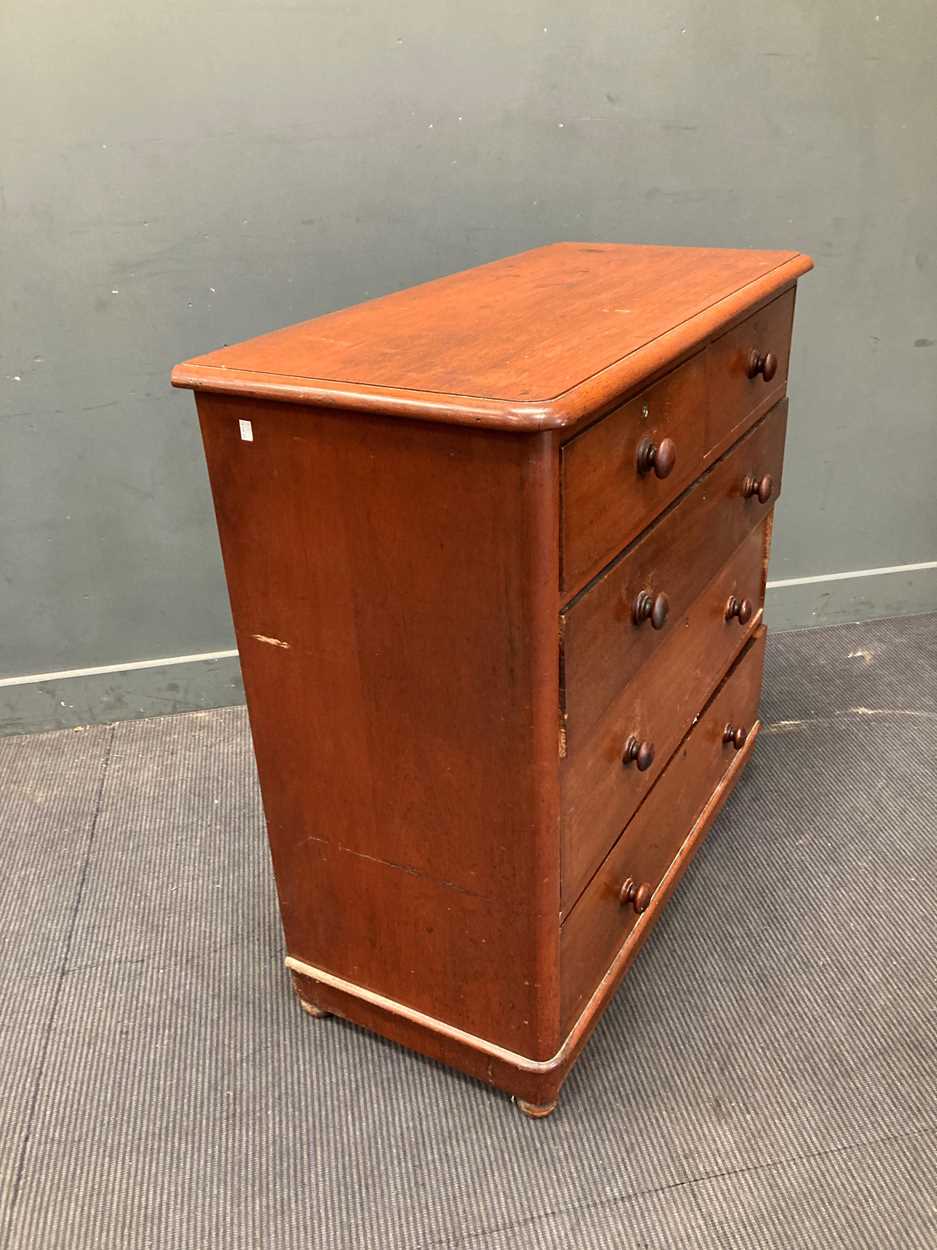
(535, 1110)
(316, 1012)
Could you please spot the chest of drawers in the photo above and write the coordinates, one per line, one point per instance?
(496, 550)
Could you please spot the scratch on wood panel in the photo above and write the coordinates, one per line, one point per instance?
(272, 642)
(389, 863)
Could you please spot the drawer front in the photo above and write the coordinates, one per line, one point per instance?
(610, 489)
(600, 792)
(736, 395)
(603, 645)
(599, 923)
(606, 499)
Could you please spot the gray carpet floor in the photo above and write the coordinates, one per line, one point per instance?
(764, 1078)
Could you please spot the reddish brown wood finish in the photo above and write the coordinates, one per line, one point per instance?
(603, 649)
(538, 1084)
(606, 500)
(600, 793)
(709, 399)
(394, 595)
(599, 924)
(424, 709)
(541, 340)
(735, 397)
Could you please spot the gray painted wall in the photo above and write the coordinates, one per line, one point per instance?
(178, 176)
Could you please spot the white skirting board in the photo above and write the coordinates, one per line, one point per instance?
(114, 693)
(862, 595)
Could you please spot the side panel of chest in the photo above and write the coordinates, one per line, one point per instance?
(393, 588)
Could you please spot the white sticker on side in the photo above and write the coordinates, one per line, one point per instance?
(247, 431)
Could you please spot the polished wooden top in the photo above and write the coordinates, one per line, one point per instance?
(537, 340)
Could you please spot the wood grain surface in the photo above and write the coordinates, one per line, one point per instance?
(734, 398)
(678, 556)
(538, 340)
(394, 591)
(600, 793)
(606, 501)
(449, 739)
(599, 923)
(702, 407)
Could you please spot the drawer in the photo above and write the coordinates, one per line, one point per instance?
(736, 394)
(606, 500)
(602, 645)
(610, 493)
(599, 791)
(600, 922)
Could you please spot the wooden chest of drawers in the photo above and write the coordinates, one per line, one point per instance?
(496, 550)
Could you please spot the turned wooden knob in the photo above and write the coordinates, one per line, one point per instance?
(742, 609)
(765, 363)
(763, 487)
(648, 607)
(735, 735)
(638, 752)
(661, 457)
(638, 895)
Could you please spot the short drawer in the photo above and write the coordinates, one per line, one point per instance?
(610, 492)
(694, 782)
(622, 472)
(600, 787)
(746, 371)
(606, 635)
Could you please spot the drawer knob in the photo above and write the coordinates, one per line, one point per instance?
(638, 752)
(638, 895)
(765, 363)
(740, 608)
(735, 735)
(661, 457)
(763, 487)
(648, 607)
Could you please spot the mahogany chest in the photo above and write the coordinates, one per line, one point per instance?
(496, 549)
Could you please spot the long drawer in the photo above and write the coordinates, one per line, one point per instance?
(601, 787)
(623, 471)
(605, 638)
(623, 888)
